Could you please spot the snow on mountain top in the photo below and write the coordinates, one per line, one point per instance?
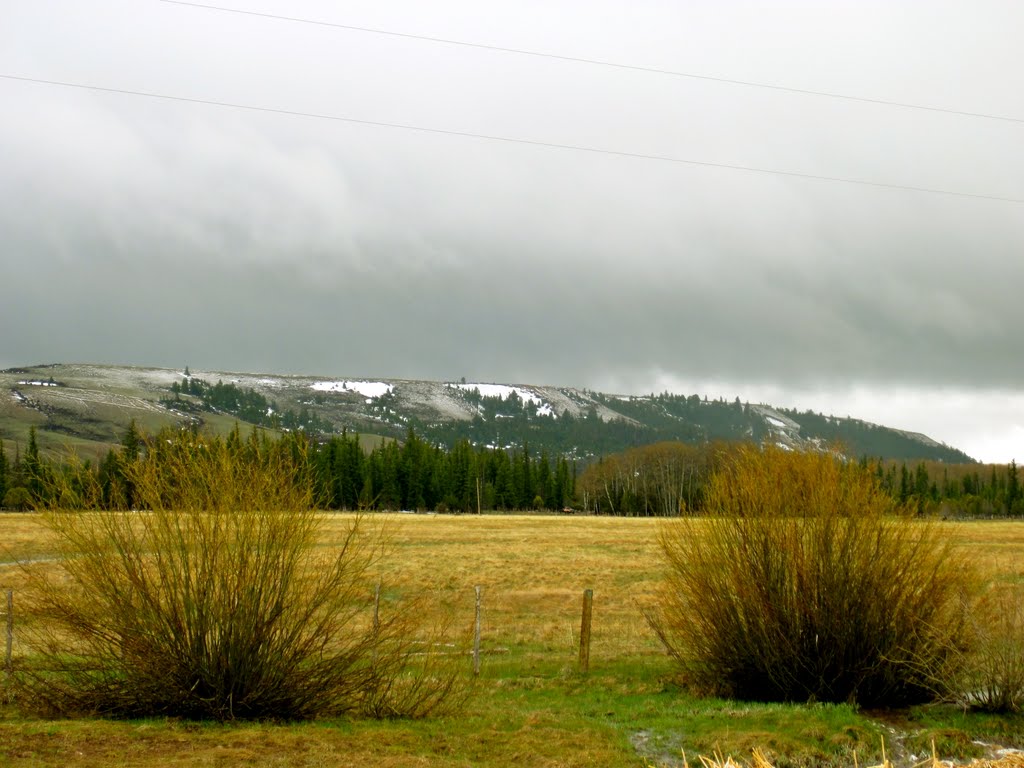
(368, 389)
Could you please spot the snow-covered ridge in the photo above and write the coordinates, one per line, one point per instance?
(368, 389)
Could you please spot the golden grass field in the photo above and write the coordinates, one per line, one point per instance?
(530, 709)
(532, 570)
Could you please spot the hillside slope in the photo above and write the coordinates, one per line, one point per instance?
(88, 407)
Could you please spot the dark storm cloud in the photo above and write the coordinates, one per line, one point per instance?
(159, 232)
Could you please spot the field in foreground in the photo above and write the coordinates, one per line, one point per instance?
(531, 706)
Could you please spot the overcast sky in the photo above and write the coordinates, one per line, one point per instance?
(165, 232)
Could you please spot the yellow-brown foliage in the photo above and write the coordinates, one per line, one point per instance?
(804, 582)
(215, 601)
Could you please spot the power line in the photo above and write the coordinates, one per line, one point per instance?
(509, 139)
(604, 63)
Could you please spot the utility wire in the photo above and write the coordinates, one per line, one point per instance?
(604, 63)
(508, 139)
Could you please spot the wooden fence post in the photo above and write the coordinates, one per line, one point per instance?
(476, 635)
(588, 611)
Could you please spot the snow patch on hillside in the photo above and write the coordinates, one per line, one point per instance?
(777, 420)
(502, 391)
(368, 389)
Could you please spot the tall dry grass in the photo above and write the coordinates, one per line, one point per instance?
(805, 583)
(216, 602)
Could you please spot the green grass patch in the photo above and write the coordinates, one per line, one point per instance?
(957, 733)
(533, 709)
(524, 711)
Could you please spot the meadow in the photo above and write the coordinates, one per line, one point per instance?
(531, 705)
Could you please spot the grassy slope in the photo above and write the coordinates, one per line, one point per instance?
(531, 707)
(86, 415)
(91, 410)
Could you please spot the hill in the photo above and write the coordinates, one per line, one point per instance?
(88, 407)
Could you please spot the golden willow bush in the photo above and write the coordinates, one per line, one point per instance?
(992, 674)
(215, 600)
(804, 582)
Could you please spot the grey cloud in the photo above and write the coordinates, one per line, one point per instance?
(162, 233)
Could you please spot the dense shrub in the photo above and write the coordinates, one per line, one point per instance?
(17, 499)
(803, 582)
(217, 601)
(993, 670)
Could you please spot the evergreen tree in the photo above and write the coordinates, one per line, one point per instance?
(352, 468)
(412, 471)
(525, 480)
(561, 498)
(1013, 493)
(504, 493)
(904, 484)
(367, 497)
(131, 447)
(922, 486)
(17, 469)
(3, 471)
(111, 483)
(389, 491)
(33, 466)
(970, 487)
(234, 441)
(131, 443)
(543, 485)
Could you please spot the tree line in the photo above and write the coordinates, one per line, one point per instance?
(661, 479)
(959, 490)
(407, 475)
(669, 478)
(416, 475)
